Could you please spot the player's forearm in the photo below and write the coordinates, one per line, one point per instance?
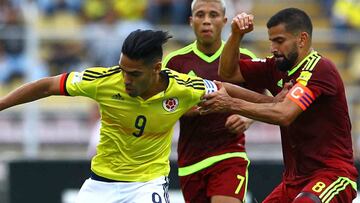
(228, 64)
(245, 94)
(271, 113)
(26, 93)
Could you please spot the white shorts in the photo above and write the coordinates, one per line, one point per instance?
(154, 191)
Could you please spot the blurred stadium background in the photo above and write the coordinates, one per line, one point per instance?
(44, 146)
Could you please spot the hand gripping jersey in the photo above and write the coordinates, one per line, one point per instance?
(320, 138)
(135, 135)
(204, 138)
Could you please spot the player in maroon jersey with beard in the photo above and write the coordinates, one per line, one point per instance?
(211, 158)
(314, 119)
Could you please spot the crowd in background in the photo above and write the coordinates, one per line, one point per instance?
(111, 20)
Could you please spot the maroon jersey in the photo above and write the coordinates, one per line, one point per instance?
(203, 136)
(319, 139)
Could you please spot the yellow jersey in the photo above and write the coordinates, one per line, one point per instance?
(135, 134)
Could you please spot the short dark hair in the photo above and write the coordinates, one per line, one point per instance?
(295, 21)
(145, 45)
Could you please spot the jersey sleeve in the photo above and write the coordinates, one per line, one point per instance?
(78, 84)
(256, 72)
(301, 95)
(207, 88)
(210, 86)
(323, 79)
(192, 85)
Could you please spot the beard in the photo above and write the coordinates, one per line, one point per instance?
(284, 63)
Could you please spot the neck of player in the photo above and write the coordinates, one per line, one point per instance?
(209, 48)
(159, 85)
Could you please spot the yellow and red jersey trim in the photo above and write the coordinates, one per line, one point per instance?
(301, 95)
(63, 79)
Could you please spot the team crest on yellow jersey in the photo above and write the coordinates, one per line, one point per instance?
(170, 104)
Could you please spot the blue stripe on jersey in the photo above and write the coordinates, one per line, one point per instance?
(208, 83)
(210, 86)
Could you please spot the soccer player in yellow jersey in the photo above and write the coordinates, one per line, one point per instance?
(139, 105)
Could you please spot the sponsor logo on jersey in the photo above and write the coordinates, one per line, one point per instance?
(258, 60)
(170, 104)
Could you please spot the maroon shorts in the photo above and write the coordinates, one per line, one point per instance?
(328, 187)
(228, 178)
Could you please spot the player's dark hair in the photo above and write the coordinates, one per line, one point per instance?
(294, 19)
(145, 45)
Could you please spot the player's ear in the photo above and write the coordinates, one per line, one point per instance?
(157, 66)
(303, 39)
(191, 21)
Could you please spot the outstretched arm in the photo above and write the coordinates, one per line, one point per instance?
(251, 96)
(229, 67)
(245, 94)
(281, 113)
(31, 91)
